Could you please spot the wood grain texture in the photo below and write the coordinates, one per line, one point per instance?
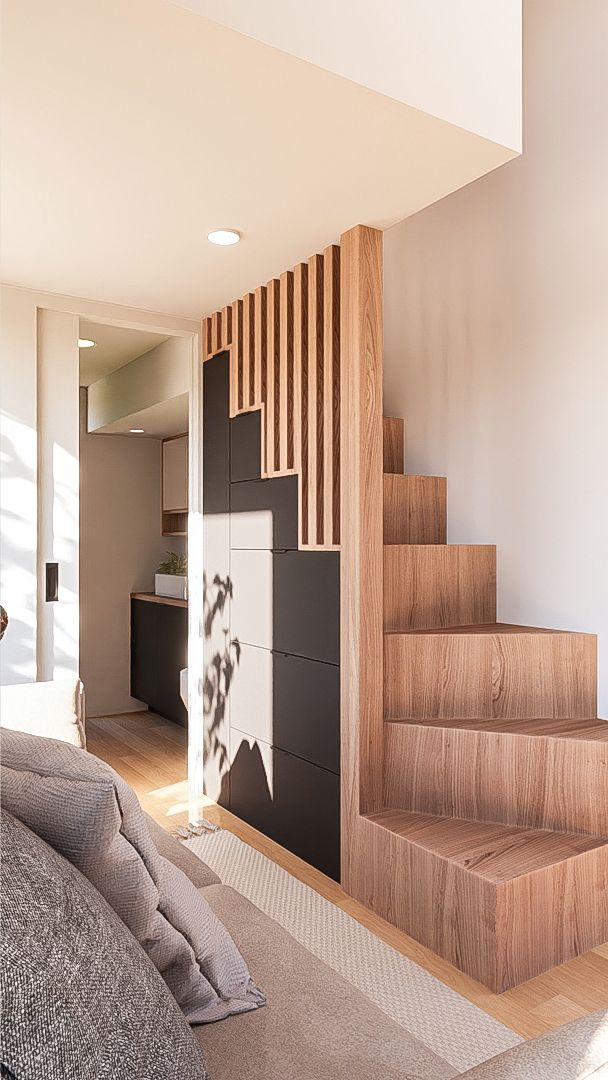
(236, 359)
(393, 444)
(315, 400)
(483, 672)
(545, 774)
(415, 509)
(142, 745)
(361, 600)
(431, 585)
(286, 376)
(300, 353)
(273, 377)
(247, 388)
(498, 884)
(331, 395)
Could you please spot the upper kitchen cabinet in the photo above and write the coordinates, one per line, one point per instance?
(175, 486)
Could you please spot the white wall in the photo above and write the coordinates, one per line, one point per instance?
(497, 338)
(18, 485)
(159, 375)
(458, 61)
(58, 492)
(22, 656)
(121, 547)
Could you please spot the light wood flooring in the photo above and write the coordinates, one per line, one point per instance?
(150, 753)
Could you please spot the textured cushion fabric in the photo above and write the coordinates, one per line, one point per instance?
(52, 709)
(573, 1052)
(80, 998)
(199, 873)
(84, 810)
(315, 1025)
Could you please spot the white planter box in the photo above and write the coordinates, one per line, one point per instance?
(171, 585)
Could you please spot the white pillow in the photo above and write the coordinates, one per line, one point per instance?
(52, 709)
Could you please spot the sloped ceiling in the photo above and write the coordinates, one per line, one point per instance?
(131, 129)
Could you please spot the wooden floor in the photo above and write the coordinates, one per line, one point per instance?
(150, 753)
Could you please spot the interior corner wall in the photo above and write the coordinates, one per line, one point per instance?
(496, 331)
(58, 493)
(18, 485)
(121, 547)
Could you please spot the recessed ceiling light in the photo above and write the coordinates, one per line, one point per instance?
(224, 237)
(136, 431)
(86, 343)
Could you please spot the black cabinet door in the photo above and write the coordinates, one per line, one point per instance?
(159, 647)
(171, 658)
(216, 435)
(246, 446)
(292, 801)
(144, 650)
(264, 513)
(306, 604)
(306, 709)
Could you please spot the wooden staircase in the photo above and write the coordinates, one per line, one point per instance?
(494, 831)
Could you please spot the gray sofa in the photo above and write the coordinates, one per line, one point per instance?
(316, 1025)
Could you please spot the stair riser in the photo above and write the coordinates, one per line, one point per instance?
(393, 449)
(415, 509)
(500, 934)
(535, 782)
(485, 676)
(434, 585)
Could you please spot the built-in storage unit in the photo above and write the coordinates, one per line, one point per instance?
(175, 486)
(276, 740)
(159, 648)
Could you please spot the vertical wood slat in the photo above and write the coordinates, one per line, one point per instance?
(315, 398)
(226, 327)
(361, 576)
(248, 376)
(286, 442)
(216, 332)
(236, 358)
(259, 377)
(273, 360)
(331, 396)
(207, 337)
(300, 378)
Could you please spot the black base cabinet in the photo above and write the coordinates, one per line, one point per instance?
(159, 650)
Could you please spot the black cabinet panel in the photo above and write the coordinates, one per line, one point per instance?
(306, 709)
(216, 437)
(306, 604)
(298, 805)
(277, 529)
(159, 647)
(246, 446)
(144, 650)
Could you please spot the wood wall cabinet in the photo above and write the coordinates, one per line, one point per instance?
(174, 497)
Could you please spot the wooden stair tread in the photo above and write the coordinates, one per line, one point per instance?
(495, 852)
(592, 729)
(491, 628)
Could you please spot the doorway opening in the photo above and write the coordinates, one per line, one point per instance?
(136, 499)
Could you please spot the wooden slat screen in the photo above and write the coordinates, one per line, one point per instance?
(284, 344)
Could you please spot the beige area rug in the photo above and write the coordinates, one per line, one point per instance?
(448, 1024)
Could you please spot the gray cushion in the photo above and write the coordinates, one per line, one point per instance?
(83, 809)
(80, 998)
(199, 873)
(573, 1052)
(315, 1025)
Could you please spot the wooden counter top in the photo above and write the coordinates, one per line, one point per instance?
(152, 598)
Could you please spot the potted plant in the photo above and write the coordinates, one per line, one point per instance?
(171, 578)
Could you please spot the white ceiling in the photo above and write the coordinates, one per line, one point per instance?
(458, 61)
(131, 129)
(159, 421)
(115, 346)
